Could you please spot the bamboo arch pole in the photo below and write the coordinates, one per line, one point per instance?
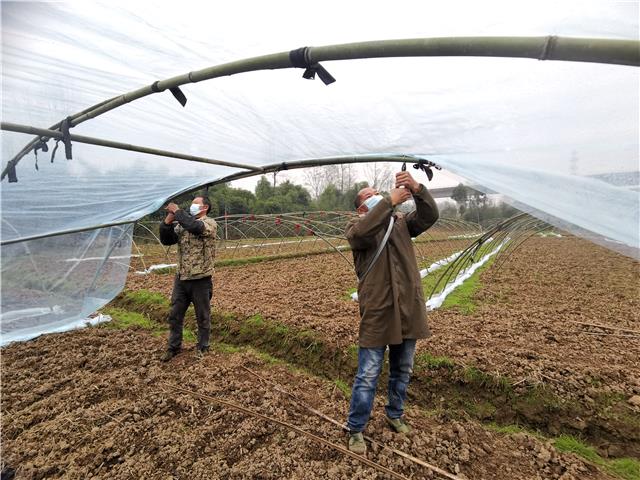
(594, 50)
(42, 132)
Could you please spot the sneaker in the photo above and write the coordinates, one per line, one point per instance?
(168, 355)
(398, 425)
(357, 444)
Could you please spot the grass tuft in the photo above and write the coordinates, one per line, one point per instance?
(463, 297)
(265, 357)
(343, 387)
(513, 429)
(352, 352)
(146, 297)
(477, 377)
(428, 361)
(121, 319)
(189, 336)
(225, 347)
(255, 321)
(626, 468)
(347, 296)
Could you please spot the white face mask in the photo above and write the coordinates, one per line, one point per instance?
(194, 209)
(372, 202)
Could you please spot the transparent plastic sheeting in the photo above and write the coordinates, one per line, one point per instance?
(99, 186)
(544, 133)
(550, 116)
(604, 213)
(54, 284)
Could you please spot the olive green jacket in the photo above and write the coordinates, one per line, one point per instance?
(392, 305)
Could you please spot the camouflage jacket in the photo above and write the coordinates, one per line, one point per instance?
(196, 239)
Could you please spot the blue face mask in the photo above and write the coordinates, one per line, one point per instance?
(194, 209)
(372, 201)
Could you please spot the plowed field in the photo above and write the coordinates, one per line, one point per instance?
(530, 322)
(96, 403)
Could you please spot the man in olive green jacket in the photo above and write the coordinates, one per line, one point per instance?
(195, 234)
(392, 305)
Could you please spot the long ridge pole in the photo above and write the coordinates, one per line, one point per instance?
(594, 50)
(43, 132)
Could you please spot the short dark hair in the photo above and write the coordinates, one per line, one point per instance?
(205, 201)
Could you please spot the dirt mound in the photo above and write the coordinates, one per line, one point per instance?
(95, 403)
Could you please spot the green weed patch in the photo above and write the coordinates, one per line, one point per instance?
(627, 468)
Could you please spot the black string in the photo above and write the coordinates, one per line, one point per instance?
(55, 149)
(66, 138)
(40, 145)
(11, 172)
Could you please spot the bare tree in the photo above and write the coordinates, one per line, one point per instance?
(345, 177)
(379, 175)
(318, 178)
(331, 175)
(315, 179)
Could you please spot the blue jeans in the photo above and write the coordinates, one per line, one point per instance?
(364, 386)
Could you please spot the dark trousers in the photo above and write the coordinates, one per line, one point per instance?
(199, 293)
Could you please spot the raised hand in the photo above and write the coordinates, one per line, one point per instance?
(399, 195)
(172, 208)
(404, 179)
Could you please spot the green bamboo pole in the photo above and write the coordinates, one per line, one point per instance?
(43, 132)
(596, 50)
(27, 148)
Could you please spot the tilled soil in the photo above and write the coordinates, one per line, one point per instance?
(308, 292)
(527, 323)
(523, 327)
(97, 403)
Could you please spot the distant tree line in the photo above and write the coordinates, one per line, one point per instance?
(283, 198)
(474, 206)
(334, 189)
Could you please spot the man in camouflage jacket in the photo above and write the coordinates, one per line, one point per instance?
(195, 234)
